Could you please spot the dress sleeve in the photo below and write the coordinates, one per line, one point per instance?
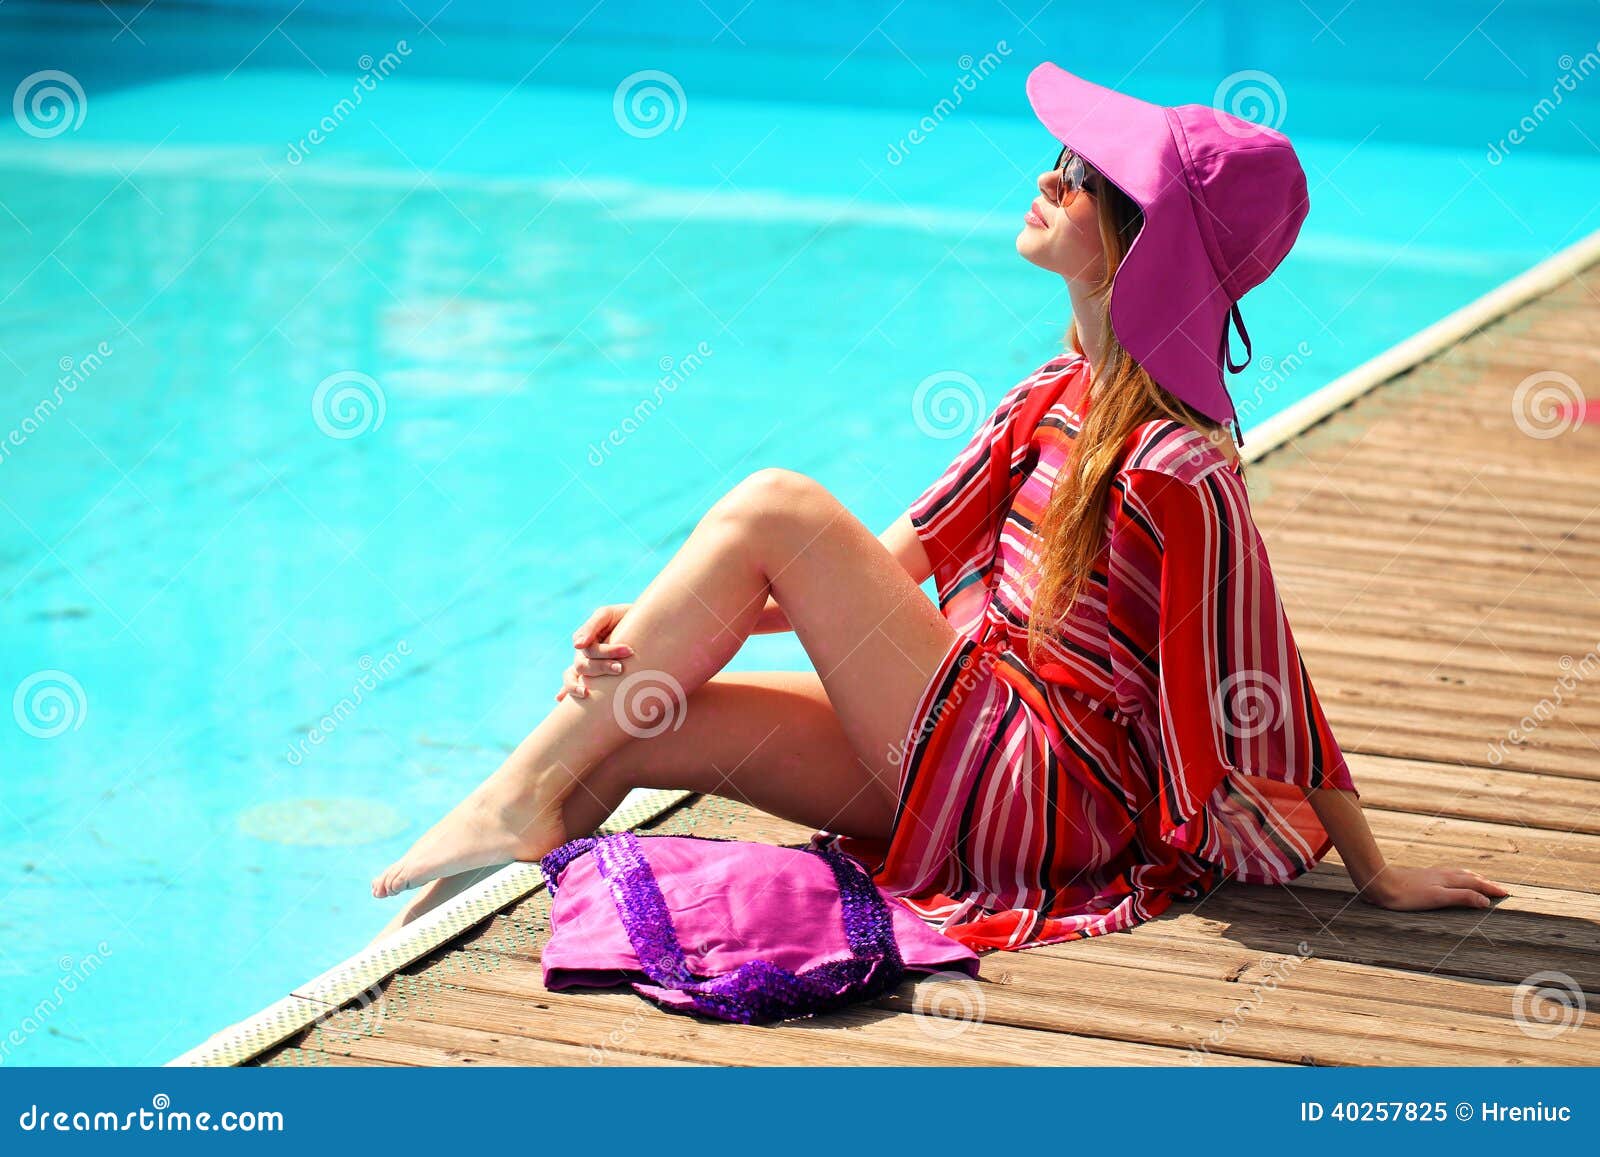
(958, 516)
(1208, 665)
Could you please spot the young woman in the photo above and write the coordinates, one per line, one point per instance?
(1105, 712)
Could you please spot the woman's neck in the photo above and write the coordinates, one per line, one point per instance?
(1088, 313)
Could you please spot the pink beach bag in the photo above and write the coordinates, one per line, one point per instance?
(731, 929)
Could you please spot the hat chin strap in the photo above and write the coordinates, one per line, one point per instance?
(1227, 354)
(1244, 336)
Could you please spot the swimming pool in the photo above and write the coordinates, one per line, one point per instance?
(346, 431)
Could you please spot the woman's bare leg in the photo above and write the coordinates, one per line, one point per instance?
(872, 635)
(766, 738)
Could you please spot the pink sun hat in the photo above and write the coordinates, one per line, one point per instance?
(1223, 201)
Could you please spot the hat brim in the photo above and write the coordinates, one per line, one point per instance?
(1168, 308)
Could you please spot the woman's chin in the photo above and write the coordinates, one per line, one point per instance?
(1029, 247)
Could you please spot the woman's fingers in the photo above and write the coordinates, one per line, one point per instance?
(1463, 897)
(587, 666)
(596, 656)
(1464, 878)
(598, 625)
(572, 684)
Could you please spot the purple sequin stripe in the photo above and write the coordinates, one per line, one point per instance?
(757, 990)
(553, 864)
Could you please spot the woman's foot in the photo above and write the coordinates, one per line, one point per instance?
(445, 888)
(498, 823)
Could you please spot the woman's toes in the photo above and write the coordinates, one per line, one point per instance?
(388, 884)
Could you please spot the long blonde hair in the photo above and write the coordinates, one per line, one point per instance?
(1073, 527)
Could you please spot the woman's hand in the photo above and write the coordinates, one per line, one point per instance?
(1419, 889)
(596, 656)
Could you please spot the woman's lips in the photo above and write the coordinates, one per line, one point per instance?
(1034, 219)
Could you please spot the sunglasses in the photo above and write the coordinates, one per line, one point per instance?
(1072, 177)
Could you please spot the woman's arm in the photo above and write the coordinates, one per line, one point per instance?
(1388, 885)
(899, 540)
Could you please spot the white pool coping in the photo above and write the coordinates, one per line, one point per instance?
(351, 979)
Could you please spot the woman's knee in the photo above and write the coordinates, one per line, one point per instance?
(772, 496)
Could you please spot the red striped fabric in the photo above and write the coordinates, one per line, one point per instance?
(1166, 738)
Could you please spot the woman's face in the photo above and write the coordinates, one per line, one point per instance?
(1064, 240)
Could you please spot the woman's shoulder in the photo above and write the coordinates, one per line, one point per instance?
(1052, 379)
(1058, 366)
(1177, 450)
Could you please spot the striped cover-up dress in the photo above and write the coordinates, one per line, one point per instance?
(1165, 740)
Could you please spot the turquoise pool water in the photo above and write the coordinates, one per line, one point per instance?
(344, 437)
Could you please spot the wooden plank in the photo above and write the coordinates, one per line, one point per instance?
(1557, 905)
(1451, 676)
(1494, 795)
(1288, 1022)
(420, 1043)
(1445, 533)
(1360, 729)
(506, 996)
(1504, 947)
(1330, 590)
(1513, 498)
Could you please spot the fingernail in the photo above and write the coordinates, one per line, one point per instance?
(627, 650)
(616, 666)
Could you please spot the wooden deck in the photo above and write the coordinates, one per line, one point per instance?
(1441, 568)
